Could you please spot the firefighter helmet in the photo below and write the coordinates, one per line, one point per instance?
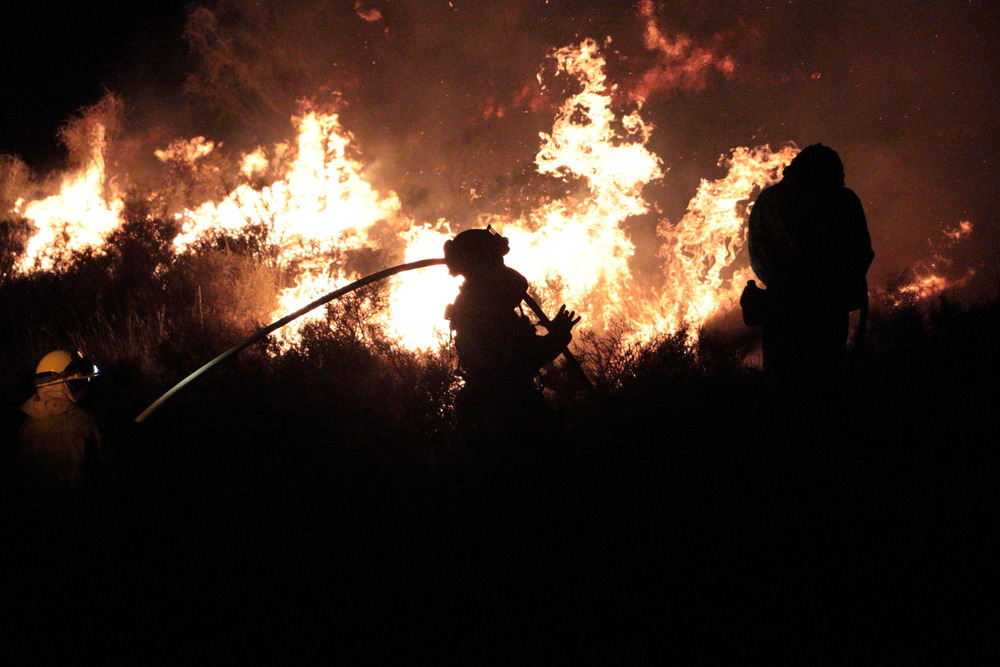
(63, 366)
(474, 246)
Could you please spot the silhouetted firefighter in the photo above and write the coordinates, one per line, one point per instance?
(809, 244)
(500, 411)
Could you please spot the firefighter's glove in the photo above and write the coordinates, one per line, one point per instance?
(561, 326)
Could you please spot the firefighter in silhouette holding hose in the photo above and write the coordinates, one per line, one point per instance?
(501, 413)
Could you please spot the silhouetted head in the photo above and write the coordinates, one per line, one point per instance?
(474, 250)
(816, 165)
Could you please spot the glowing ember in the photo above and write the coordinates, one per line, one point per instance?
(929, 277)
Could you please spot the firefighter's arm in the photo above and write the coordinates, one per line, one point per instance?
(559, 334)
(861, 239)
(561, 326)
(571, 316)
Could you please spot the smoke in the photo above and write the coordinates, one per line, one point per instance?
(681, 64)
(447, 98)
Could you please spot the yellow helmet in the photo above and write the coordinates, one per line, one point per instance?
(62, 366)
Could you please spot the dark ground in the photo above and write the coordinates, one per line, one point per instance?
(679, 520)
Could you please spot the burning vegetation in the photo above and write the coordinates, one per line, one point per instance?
(308, 203)
(327, 449)
(236, 241)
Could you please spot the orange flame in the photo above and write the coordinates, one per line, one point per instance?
(326, 224)
(79, 217)
(700, 251)
(318, 211)
(680, 64)
(317, 206)
(929, 279)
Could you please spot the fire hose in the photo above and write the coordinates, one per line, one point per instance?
(277, 324)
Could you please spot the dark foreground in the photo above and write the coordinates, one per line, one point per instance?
(671, 523)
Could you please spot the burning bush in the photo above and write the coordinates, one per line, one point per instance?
(163, 275)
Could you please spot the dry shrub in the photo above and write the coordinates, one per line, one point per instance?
(234, 290)
(14, 235)
(352, 384)
(613, 359)
(89, 130)
(15, 180)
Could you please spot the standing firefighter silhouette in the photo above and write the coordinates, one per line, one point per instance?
(59, 449)
(809, 244)
(500, 410)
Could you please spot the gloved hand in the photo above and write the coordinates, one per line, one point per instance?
(561, 326)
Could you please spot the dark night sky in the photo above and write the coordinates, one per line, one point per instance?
(906, 91)
(58, 57)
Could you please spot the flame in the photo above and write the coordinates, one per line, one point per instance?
(929, 276)
(370, 15)
(700, 251)
(324, 224)
(79, 217)
(320, 215)
(317, 207)
(576, 247)
(680, 63)
(416, 306)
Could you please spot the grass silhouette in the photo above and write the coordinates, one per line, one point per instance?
(313, 503)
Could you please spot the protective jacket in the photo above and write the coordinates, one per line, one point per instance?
(810, 245)
(59, 442)
(497, 346)
(500, 409)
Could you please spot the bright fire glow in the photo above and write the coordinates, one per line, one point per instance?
(324, 223)
(929, 277)
(78, 217)
(575, 249)
(317, 209)
(416, 305)
(699, 253)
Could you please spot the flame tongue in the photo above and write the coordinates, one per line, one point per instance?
(699, 252)
(317, 210)
(78, 217)
(318, 215)
(579, 247)
(937, 274)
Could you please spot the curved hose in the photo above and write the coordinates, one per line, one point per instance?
(277, 324)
